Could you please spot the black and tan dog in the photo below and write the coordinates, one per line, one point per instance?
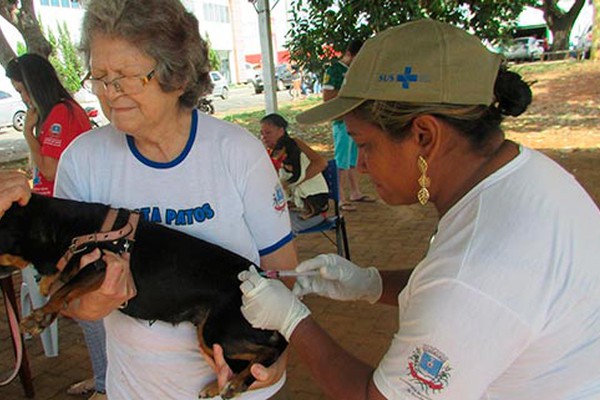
(178, 277)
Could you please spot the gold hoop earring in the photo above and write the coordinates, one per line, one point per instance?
(424, 181)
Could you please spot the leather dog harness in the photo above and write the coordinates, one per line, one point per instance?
(123, 238)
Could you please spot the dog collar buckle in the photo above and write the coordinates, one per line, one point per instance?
(75, 247)
(126, 245)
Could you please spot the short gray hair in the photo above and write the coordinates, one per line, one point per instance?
(162, 29)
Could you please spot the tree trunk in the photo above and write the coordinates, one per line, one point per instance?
(561, 23)
(23, 18)
(6, 52)
(595, 49)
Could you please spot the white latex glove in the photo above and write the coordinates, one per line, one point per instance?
(269, 304)
(339, 279)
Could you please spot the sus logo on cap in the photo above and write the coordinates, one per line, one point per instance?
(424, 61)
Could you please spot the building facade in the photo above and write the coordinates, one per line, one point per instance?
(231, 26)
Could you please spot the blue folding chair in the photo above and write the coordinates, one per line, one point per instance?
(335, 222)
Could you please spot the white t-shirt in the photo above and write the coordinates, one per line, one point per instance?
(506, 303)
(223, 189)
(302, 188)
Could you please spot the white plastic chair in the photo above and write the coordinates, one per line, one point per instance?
(31, 298)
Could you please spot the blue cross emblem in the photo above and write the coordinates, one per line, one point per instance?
(407, 77)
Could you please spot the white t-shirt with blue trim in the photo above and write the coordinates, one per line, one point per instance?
(223, 189)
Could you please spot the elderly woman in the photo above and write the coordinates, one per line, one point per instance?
(505, 304)
(148, 65)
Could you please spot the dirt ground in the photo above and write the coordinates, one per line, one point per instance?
(564, 120)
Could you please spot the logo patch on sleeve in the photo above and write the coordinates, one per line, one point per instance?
(55, 129)
(279, 201)
(429, 369)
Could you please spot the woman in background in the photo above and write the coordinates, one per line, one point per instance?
(308, 182)
(53, 117)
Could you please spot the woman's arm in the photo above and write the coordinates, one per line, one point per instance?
(283, 258)
(317, 162)
(393, 283)
(341, 376)
(46, 165)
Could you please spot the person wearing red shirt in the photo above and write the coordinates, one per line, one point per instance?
(53, 117)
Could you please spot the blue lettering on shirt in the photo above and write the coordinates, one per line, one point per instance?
(182, 217)
(155, 215)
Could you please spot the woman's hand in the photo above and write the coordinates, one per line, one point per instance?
(14, 188)
(31, 120)
(338, 279)
(264, 376)
(269, 304)
(117, 288)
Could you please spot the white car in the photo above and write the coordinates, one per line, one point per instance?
(220, 88)
(12, 111)
(249, 73)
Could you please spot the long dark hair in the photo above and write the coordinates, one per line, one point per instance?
(41, 81)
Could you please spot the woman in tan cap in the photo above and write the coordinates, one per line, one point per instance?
(505, 304)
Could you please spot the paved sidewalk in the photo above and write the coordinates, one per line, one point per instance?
(380, 235)
(12, 146)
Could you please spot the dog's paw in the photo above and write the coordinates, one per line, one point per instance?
(46, 283)
(230, 391)
(35, 323)
(209, 391)
(31, 326)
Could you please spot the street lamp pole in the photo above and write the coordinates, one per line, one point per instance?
(266, 48)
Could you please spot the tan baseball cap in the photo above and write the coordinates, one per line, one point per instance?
(423, 61)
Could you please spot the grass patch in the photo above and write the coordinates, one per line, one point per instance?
(317, 136)
(546, 66)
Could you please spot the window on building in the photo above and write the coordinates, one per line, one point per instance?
(61, 3)
(216, 13)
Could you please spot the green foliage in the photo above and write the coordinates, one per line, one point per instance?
(69, 64)
(21, 48)
(321, 29)
(213, 56)
(64, 58)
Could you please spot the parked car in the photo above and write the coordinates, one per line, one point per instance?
(524, 49)
(283, 78)
(12, 111)
(247, 75)
(220, 88)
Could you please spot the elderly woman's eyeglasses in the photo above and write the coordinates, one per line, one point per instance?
(123, 85)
